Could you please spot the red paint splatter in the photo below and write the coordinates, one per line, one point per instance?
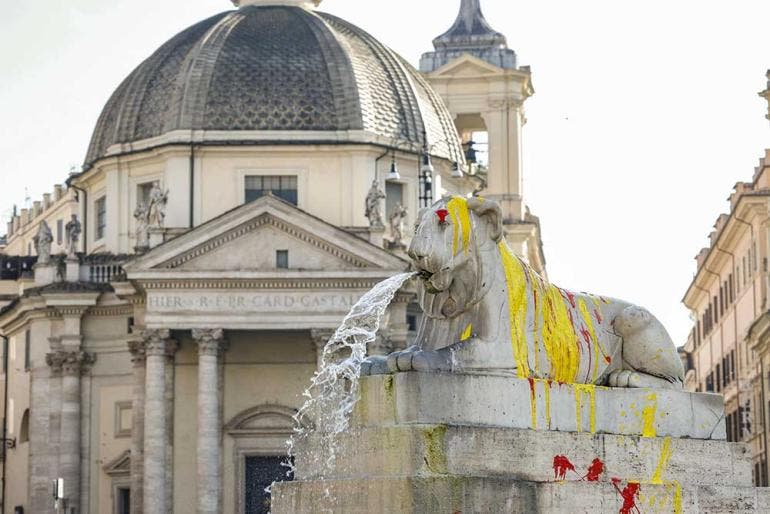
(442, 214)
(608, 359)
(586, 336)
(532, 386)
(561, 465)
(598, 316)
(595, 470)
(571, 298)
(630, 493)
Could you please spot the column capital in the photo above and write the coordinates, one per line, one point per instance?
(159, 342)
(321, 336)
(211, 341)
(71, 363)
(138, 350)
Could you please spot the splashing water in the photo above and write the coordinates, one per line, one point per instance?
(334, 389)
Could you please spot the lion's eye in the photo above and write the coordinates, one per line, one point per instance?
(416, 228)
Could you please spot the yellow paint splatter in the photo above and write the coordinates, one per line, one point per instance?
(517, 304)
(677, 497)
(648, 416)
(590, 390)
(467, 333)
(665, 457)
(461, 223)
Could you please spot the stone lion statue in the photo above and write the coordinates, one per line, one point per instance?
(487, 311)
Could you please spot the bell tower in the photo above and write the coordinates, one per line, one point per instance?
(478, 77)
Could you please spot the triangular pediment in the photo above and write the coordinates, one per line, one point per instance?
(249, 237)
(119, 466)
(467, 65)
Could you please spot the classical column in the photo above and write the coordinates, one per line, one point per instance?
(137, 349)
(170, 377)
(320, 337)
(157, 343)
(71, 365)
(211, 344)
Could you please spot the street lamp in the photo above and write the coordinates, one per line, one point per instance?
(393, 175)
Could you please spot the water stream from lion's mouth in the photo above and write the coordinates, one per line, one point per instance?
(334, 388)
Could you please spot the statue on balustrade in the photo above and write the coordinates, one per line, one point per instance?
(42, 242)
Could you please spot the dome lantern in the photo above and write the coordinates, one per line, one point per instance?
(307, 4)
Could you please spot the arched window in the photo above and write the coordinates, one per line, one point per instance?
(260, 435)
(24, 428)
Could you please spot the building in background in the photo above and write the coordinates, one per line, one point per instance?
(728, 349)
(160, 326)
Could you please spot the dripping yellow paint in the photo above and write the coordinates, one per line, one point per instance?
(648, 416)
(461, 223)
(517, 304)
(590, 391)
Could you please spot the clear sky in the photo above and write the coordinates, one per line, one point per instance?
(645, 113)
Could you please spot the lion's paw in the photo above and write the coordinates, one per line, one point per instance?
(419, 360)
(374, 365)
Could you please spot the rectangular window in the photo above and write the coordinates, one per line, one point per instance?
(394, 195)
(282, 259)
(59, 231)
(100, 206)
(718, 380)
(123, 500)
(5, 355)
(731, 288)
(27, 349)
(284, 187)
(143, 193)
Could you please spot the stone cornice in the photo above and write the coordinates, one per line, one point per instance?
(111, 310)
(266, 284)
(753, 200)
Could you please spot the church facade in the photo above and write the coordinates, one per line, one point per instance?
(163, 311)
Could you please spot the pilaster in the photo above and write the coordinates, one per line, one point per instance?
(137, 350)
(320, 336)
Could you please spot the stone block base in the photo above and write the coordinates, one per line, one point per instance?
(421, 442)
(484, 494)
(454, 399)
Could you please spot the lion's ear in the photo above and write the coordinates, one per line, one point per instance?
(490, 212)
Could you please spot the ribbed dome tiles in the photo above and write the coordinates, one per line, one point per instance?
(276, 68)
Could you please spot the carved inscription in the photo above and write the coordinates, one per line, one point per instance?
(246, 302)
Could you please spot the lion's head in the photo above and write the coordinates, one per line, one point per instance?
(450, 242)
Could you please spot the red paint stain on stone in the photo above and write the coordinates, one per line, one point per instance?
(598, 316)
(595, 470)
(629, 494)
(608, 359)
(561, 465)
(442, 214)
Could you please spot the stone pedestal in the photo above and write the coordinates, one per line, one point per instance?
(421, 442)
(72, 269)
(44, 274)
(157, 236)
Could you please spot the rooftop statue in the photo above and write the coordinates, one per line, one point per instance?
(485, 310)
(72, 231)
(396, 221)
(373, 208)
(156, 207)
(42, 241)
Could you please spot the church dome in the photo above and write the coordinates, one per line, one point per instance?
(277, 74)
